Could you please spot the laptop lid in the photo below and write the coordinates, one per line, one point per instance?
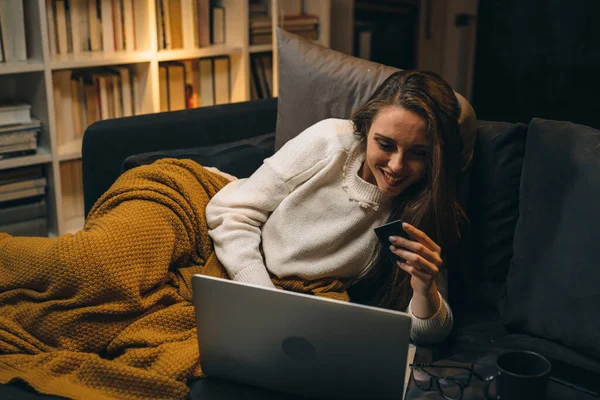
(299, 344)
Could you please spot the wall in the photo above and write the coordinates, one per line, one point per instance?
(538, 59)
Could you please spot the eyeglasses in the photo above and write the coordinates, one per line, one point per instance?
(450, 381)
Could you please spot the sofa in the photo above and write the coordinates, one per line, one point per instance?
(237, 137)
(528, 278)
(514, 207)
(511, 163)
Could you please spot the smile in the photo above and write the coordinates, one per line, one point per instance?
(393, 180)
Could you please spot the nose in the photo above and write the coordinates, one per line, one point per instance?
(396, 162)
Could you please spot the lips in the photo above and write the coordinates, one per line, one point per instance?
(393, 180)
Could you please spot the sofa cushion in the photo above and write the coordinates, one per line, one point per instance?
(552, 289)
(240, 158)
(493, 206)
(316, 83)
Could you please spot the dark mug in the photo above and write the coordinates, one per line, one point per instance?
(520, 375)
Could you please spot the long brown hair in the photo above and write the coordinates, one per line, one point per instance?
(431, 203)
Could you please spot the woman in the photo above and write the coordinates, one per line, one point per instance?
(109, 310)
(309, 210)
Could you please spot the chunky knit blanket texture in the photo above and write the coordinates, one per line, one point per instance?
(107, 312)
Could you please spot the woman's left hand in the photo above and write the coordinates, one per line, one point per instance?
(423, 258)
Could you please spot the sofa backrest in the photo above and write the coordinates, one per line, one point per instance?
(106, 144)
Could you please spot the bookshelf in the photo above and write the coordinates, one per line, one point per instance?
(34, 81)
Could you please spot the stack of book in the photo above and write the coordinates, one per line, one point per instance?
(84, 96)
(76, 26)
(194, 83)
(189, 23)
(18, 131)
(22, 205)
(261, 68)
(12, 31)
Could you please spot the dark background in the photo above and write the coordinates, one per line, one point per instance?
(538, 58)
(533, 58)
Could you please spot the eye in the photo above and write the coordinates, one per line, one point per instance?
(385, 146)
(419, 152)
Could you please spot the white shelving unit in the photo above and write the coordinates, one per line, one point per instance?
(32, 82)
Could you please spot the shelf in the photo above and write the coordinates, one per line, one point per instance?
(210, 51)
(261, 48)
(42, 157)
(97, 59)
(18, 67)
(70, 151)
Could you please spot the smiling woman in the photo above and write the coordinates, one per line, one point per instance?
(410, 125)
(309, 211)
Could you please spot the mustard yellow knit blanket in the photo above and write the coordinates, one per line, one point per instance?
(107, 312)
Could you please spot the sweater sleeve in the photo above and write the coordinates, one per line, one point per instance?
(236, 214)
(436, 328)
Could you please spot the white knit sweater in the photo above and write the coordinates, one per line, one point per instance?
(314, 215)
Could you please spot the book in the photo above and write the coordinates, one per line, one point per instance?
(160, 25)
(126, 91)
(82, 19)
(14, 138)
(108, 30)
(204, 23)
(12, 19)
(32, 227)
(129, 24)
(22, 189)
(19, 174)
(51, 17)
(63, 107)
(15, 113)
(166, 17)
(18, 150)
(163, 87)
(176, 92)
(34, 124)
(175, 13)
(22, 210)
(206, 77)
(117, 8)
(95, 23)
(62, 36)
(19, 140)
(222, 81)
(74, 16)
(218, 26)
(188, 19)
(261, 67)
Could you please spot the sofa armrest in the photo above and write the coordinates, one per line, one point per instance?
(107, 143)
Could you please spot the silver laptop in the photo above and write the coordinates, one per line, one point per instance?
(300, 344)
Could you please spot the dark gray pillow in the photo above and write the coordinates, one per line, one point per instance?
(493, 207)
(316, 83)
(553, 285)
(240, 158)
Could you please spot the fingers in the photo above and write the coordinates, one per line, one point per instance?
(421, 237)
(416, 260)
(417, 248)
(423, 276)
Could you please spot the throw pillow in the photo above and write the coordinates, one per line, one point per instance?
(493, 207)
(552, 289)
(316, 83)
(240, 158)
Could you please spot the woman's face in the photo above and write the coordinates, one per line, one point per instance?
(397, 150)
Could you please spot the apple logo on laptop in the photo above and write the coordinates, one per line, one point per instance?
(298, 348)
